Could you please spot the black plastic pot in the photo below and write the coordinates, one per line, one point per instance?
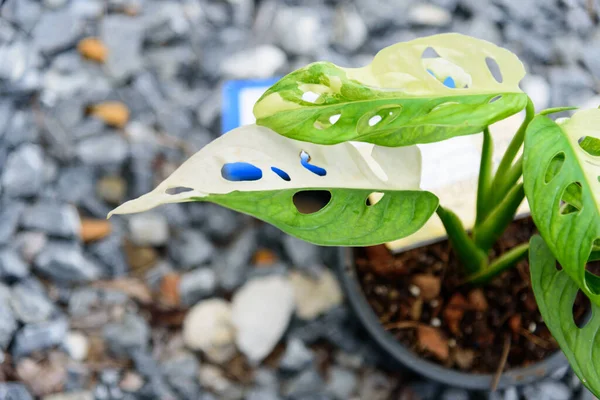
(406, 357)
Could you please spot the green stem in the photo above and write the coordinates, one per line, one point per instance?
(470, 256)
(510, 180)
(485, 176)
(514, 146)
(486, 234)
(502, 263)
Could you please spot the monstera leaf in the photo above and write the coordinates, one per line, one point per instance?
(555, 293)
(561, 175)
(400, 98)
(254, 170)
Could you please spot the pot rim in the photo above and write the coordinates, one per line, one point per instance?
(431, 370)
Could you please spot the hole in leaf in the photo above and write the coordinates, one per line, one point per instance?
(581, 309)
(430, 53)
(374, 120)
(281, 173)
(590, 145)
(570, 201)
(374, 198)
(310, 97)
(554, 166)
(558, 266)
(378, 118)
(327, 121)
(240, 171)
(305, 161)
(495, 98)
(449, 82)
(178, 189)
(494, 69)
(311, 201)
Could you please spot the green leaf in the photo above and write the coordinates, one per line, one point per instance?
(281, 167)
(563, 190)
(400, 98)
(555, 293)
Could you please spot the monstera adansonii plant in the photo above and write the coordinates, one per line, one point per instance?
(427, 90)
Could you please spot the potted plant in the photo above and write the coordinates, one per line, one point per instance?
(301, 144)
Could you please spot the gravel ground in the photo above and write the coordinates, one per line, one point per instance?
(192, 301)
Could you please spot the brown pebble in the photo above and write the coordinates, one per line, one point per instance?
(264, 258)
(433, 340)
(478, 300)
(454, 312)
(94, 229)
(416, 309)
(515, 323)
(169, 290)
(430, 286)
(92, 49)
(113, 113)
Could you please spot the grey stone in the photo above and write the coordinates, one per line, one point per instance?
(17, 61)
(30, 306)
(181, 372)
(554, 390)
(260, 62)
(12, 266)
(266, 378)
(109, 251)
(300, 30)
(52, 218)
(296, 356)
(82, 300)
(39, 336)
(22, 129)
(571, 85)
(305, 383)
(234, 265)
(375, 386)
(57, 30)
(304, 255)
(76, 183)
(341, 383)
(148, 229)
(65, 262)
(262, 394)
(190, 248)
(25, 13)
(131, 334)
(197, 285)
(23, 174)
(101, 150)
(30, 244)
(349, 30)
(14, 391)
(123, 38)
(8, 322)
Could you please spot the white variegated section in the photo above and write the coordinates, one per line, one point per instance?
(377, 168)
(581, 124)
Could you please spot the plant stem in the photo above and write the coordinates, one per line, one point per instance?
(514, 146)
(486, 234)
(556, 110)
(500, 264)
(485, 177)
(471, 257)
(512, 177)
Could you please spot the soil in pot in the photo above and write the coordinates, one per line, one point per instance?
(421, 298)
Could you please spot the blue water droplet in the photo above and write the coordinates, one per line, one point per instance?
(282, 174)
(240, 171)
(305, 161)
(449, 82)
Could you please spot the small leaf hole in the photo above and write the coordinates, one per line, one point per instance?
(374, 120)
(326, 121)
(430, 53)
(240, 171)
(305, 161)
(571, 200)
(590, 145)
(178, 189)
(494, 69)
(311, 201)
(495, 98)
(554, 166)
(281, 173)
(558, 266)
(374, 198)
(310, 97)
(581, 309)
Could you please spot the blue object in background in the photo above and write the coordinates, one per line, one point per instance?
(231, 118)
